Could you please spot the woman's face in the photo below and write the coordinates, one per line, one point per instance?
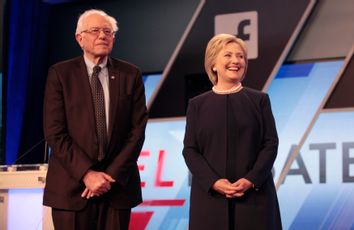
(230, 64)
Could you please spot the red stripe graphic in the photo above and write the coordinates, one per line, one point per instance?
(177, 202)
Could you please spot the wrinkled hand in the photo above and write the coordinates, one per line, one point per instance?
(241, 186)
(231, 190)
(224, 187)
(97, 183)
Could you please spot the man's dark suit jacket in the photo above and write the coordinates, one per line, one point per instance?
(70, 130)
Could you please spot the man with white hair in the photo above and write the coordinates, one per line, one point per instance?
(94, 121)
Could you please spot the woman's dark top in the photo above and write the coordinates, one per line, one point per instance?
(231, 136)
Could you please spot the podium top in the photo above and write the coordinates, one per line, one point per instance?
(22, 176)
(23, 167)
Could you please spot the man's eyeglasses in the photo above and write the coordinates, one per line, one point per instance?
(96, 31)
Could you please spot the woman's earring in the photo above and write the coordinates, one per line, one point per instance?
(214, 69)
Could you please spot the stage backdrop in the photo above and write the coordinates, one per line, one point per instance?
(316, 162)
(268, 27)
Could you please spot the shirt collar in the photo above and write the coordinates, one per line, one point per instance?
(90, 64)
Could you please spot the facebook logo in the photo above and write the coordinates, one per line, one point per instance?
(244, 25)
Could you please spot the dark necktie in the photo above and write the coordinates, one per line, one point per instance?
(100, 115)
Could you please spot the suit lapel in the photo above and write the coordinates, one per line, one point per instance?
(84, 88)
(114, 82)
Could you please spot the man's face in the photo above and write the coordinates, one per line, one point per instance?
(96, 39)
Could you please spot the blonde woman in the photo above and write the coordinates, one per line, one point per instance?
(230, 146)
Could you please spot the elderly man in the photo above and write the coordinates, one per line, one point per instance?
(94, 122)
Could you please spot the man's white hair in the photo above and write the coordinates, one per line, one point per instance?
(82, 18)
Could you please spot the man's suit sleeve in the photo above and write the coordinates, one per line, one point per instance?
(123, 164)
(64, 148)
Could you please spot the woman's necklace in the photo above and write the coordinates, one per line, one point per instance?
(233, 89)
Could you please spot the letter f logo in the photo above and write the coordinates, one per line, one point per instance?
(241, 30)
(244, 25)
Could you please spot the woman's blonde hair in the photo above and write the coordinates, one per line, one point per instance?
(215, 45)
